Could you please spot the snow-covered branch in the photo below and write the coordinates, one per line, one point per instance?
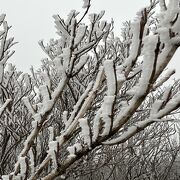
(93, 89)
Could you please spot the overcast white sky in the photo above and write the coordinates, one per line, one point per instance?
(32, 20)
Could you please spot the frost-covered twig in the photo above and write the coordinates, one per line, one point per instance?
(3, 107)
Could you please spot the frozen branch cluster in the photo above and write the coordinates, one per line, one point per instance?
(90, 90)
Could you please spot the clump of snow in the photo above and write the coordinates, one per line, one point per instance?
(37, 117)
(92, 17)
(83, 60)
(31, 155)
(53, 145)
(58, 65)
(168, 74)
(2, 17)
(73, 13)
(5, 177)
(176, 26)
(34, 124)
(63, 177)
(96, 124)
(107, 113)
(155, 108)
(85, 131)
(64, 117)
(164, 34)
(81, 31)
(150, 43)
(46, 79)
(44, 91)
(135, 30)
(120, 74)
(162, 5)
(51, 133)
(60, 27)
(74, 149)
(109, 72)
(66, 57)
(23, 165)
(86, 3)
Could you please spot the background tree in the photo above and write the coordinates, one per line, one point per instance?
(15, 120)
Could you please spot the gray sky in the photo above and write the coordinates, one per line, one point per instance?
(32, 20)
